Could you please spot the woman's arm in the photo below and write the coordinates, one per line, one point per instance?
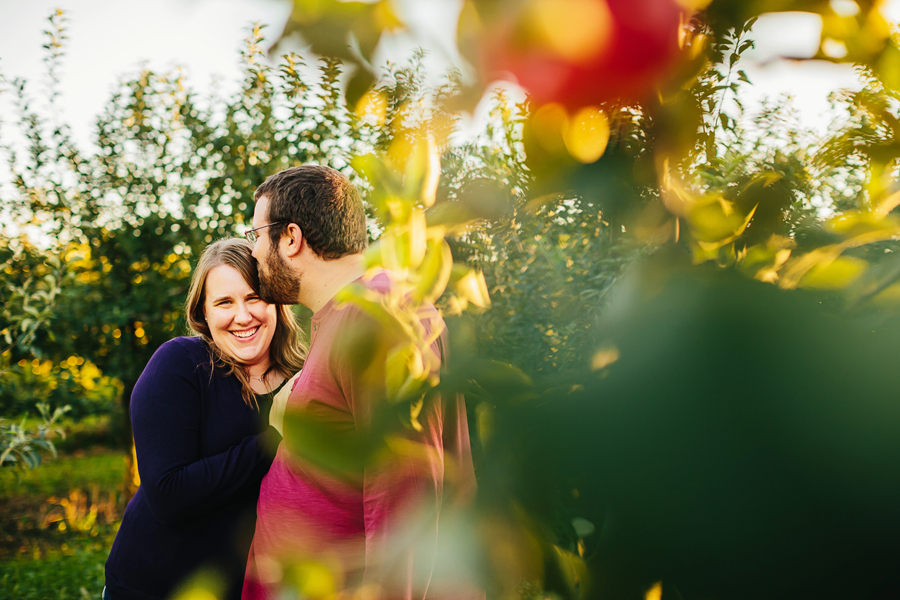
(166, 419)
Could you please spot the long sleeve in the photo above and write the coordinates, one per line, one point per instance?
(166, 411)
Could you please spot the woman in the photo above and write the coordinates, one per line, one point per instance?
(199, 414)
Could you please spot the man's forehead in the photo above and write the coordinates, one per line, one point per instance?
(261, 210)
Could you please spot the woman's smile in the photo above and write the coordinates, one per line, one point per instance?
(245, 334)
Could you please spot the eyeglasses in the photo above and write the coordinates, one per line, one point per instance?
(251, 234)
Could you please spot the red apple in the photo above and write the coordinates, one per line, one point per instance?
(584, 52)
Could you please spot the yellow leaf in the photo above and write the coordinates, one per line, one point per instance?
(473, 288)
(434, 272)
(693, 5)
(888, 204)
(313, 580)
(417, 234)
(386, 17)
(572, 568)
(888, 66)
(835, 274)
(432, 172)
(484, 419)
(391, 252)
(890, 295)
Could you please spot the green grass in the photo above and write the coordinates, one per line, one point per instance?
(51, 547)
(61, 573)
(57, 477)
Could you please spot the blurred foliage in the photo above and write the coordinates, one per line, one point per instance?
(734, 442)
(66, 473)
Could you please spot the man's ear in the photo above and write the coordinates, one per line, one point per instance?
(292, 241)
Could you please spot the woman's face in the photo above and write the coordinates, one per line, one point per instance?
(240, 323)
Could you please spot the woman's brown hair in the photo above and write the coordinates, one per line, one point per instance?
(288, 348)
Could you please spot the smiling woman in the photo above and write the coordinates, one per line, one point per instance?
(200, 413)
(240, 323)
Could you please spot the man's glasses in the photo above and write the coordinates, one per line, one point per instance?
(251, 234)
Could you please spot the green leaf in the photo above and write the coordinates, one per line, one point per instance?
(723, 119)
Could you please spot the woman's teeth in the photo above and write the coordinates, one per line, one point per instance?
(244, 334)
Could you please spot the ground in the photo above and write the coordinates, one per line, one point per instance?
(57, 524)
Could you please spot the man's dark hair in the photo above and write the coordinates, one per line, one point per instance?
(325, 205)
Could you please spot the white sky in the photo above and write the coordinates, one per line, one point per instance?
(109, 38)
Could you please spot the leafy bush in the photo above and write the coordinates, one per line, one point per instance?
(21, 447)
(30, 284)
(74, 382)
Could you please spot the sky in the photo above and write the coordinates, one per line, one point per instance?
(112, 38)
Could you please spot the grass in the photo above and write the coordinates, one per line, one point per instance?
(56, 477)
(74, 570)
(57, 524)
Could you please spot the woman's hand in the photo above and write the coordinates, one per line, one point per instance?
(279, 402)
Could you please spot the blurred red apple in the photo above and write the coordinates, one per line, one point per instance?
(584, 52)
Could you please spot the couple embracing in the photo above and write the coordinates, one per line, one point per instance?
(207, 414)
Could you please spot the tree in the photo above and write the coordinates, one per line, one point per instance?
(173, 171)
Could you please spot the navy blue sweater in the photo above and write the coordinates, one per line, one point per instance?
(202, 453)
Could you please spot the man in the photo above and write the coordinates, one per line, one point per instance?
(309, 235)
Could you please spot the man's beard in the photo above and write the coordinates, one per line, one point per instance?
(278, 284)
